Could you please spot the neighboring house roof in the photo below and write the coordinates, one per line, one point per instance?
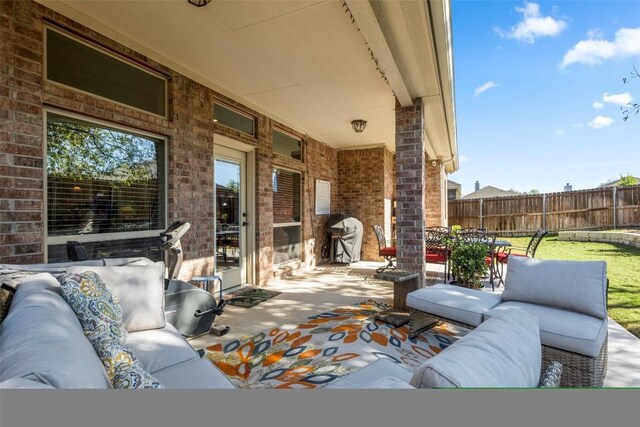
(453, 184)
(489, 191)
(616, 182)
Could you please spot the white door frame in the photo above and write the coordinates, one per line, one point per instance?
(221, 144)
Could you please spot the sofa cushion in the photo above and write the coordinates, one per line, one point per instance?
(579, 286)
(53, 268)
(194, 373)
(123, 367)
(160, 348)
(42, 340)
(140, 291)
(95, 305)
(453, 302)
(562, 329)
(504, 351)
(383, 373)
(126, 261)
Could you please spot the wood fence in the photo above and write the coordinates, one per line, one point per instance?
(598, 208)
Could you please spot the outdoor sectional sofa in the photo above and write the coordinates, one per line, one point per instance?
(42, 343)
(568, 298)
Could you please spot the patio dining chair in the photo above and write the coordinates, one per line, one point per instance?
(436, 250)
(388, 252)
(501, 258)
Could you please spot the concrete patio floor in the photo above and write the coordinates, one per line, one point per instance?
(331, 286)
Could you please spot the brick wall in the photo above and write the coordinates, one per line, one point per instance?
(366, 179)
(435, 194)
(410, 173)
(189, 129)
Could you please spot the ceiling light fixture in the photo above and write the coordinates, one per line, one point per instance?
(199, 3)
(358, 125)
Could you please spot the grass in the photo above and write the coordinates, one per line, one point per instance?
(623, 270)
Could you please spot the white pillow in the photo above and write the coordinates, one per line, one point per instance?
(140, 291)
(579, 286)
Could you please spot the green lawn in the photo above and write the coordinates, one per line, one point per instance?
(623, 269)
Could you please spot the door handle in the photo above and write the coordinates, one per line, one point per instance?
(245, 223)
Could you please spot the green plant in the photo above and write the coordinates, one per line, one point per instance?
(468, 263)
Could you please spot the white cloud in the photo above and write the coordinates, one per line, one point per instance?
(600, 122)
(485, 87)
(463, 159)
(533, 25)
(560, 132)
(621, 99)
(577, 125)
(595, 33)
(595, 50)
(598, 105)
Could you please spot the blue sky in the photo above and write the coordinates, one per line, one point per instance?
(539, 91)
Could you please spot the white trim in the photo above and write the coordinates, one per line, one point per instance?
(287, 224)
(115, 56)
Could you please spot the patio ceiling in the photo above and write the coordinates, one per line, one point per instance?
(305, 63)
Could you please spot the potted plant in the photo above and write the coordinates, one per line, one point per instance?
(468, 263)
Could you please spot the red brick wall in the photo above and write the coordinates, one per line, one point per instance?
(435, 194)
(189, 129)
(365, 180)
(410, 172)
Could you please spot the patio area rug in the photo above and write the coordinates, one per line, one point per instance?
(324, 348)
(251, 297)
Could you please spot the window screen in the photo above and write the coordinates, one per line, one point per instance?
(286, 215)
(103, 184)
(78, 65)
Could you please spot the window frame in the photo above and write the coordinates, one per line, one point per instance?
(292, 224)
(290, 135)
(95, 46)
(99, 237)
(237, 111)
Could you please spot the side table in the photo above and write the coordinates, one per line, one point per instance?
(403, 283)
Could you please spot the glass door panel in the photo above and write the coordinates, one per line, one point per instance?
(230, 217)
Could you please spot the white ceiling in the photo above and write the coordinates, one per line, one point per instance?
(303, 63)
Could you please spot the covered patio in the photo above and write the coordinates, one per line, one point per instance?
(330, 287)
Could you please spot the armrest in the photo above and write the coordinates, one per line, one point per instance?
(551, 378)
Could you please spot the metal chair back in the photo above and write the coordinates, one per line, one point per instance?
(382, 241)
(534, 242)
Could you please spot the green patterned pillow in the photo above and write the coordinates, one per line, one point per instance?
(123, 367)
(95, 305)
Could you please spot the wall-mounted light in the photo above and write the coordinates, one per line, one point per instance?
(199, 3)
(433, 163)
(358, 125)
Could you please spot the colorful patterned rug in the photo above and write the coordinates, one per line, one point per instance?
(326, 347)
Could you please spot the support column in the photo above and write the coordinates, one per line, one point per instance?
(435, 194)
(410, 181)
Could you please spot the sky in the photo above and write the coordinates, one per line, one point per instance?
(539, 90)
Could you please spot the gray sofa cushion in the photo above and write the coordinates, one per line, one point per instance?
(53, 268)
(504, 351)
(453, 302)
(562, 329)
(195, 373)
(579, 286)
(160, 348)
(383, 373)
(42, 340)
(140, 291)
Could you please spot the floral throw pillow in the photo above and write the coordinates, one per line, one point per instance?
(123, 367)
(95, 305)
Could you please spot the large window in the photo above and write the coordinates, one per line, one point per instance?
(76, 64)
(287, 209)
(105, 189)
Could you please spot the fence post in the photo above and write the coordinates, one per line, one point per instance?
(481, 219)
(614, 206)
(544, 211)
